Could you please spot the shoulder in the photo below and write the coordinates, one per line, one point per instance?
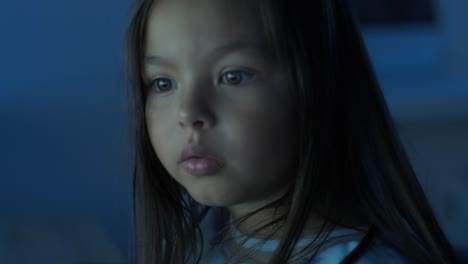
(376, 253)
(380, 253)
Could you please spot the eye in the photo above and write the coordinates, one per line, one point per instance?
(236, 77)
(162, 85)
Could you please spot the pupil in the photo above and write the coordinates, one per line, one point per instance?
(233, 77)
(163, 84)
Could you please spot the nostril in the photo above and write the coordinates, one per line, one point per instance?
(198, 123)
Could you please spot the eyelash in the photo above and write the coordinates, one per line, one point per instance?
(250, 75)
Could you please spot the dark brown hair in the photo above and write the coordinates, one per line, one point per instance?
(350, 160)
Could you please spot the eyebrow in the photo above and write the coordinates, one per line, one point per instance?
(217, 52)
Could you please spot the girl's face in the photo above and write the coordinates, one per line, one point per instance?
(216, 89)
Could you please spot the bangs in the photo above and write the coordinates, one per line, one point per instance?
(265, 14)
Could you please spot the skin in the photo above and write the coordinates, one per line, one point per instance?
(249, 126)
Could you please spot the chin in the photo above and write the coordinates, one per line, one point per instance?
(213, 200)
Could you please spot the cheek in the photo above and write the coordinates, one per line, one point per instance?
(159, 134)
(267, 137)
(262, 140)
(266, 118)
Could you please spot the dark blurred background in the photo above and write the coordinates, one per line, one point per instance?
(394, 11)
(65, 160)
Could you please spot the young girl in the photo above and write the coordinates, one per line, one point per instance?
(261, 136)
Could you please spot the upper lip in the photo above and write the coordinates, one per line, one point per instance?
(195, 151)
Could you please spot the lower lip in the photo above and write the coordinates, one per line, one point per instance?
(201, 166)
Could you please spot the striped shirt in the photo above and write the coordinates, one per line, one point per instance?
(339, 243)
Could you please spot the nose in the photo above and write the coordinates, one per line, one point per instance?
(195, 111)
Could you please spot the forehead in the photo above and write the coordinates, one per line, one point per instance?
(184, 25)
